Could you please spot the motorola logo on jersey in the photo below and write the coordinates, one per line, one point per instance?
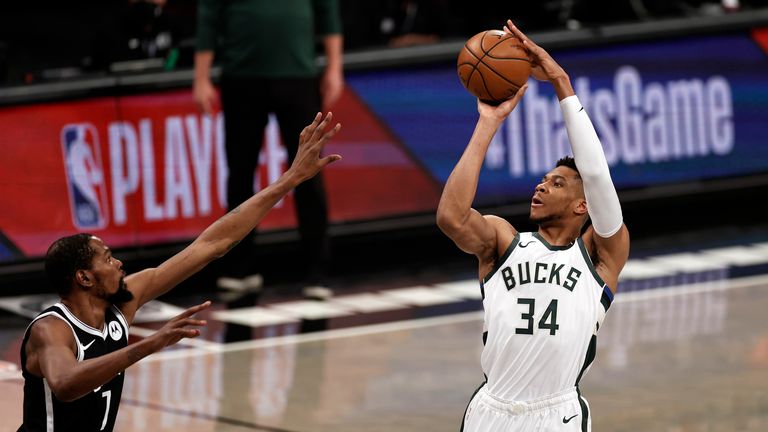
(115, 330)
(85, 176)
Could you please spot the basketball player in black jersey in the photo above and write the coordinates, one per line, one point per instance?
(74, 353)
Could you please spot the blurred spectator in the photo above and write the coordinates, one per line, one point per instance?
(418, 22)
(267, 55)
(399, 23)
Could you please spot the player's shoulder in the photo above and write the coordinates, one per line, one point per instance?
(501, 225)
(51, 327)
(505, 232)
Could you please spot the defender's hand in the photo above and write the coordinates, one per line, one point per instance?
(179, 327)
(308, 161)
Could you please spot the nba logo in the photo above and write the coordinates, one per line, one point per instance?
(85, 176)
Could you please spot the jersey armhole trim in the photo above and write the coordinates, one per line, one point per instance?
(591, 266)
(120, 317)
(80, 352)
(503, 258)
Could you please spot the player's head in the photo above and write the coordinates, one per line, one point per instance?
(82, 261)
(559, 197)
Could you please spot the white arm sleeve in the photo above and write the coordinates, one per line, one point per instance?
(602, 200)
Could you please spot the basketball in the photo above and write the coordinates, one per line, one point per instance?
(493, 65)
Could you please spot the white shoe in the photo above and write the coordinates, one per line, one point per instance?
(317, 292)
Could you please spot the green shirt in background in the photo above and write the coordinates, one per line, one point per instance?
(266, 38)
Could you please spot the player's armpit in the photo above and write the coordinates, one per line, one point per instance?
(611, 253)
(505, 233)
(474, 234)
(151, 283)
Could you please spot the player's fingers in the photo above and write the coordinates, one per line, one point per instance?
(331, 132)
(191, 322)
(308, 130)
(329, 159)
(317, 134)
(520, 92)
(191, 311)
(187, 333)
(520, 35)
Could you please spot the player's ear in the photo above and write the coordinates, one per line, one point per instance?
(84, 278)
(581, 207)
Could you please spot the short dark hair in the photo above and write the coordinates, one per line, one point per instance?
(567, 161)
(65, 257)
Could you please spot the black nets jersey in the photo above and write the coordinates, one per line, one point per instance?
(97, 410)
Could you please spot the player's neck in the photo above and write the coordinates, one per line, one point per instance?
(558, 235)
(87, 308)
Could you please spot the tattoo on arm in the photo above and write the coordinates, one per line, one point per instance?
(134, 355)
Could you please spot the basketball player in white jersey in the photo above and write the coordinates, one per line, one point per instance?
(74, 353)
(545, 293)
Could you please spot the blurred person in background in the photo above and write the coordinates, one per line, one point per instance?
(267, 53)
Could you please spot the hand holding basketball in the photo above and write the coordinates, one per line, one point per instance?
(493, 65)
(543, 66)
(501, 111)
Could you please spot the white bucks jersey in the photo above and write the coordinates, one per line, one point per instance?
(543, 306)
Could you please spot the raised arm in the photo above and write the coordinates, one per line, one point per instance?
(608, 237)
(471, 231)
(227, 231)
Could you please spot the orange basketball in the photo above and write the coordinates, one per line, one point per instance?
(493, 65)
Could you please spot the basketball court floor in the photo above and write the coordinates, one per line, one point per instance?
(684, 349)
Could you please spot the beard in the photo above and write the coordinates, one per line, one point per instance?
(122, 295)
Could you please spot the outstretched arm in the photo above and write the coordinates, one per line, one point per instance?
(51, 352)
(471, 231)
(608, 237)
(227, 231)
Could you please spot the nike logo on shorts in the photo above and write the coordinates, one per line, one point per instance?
(566, 420)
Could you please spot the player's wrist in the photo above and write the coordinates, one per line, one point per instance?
(490, 120)
(292, 178)
(562, 85)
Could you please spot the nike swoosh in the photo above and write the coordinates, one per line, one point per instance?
(85, 347)
(582, 109)
(569, 418)
(526, 245)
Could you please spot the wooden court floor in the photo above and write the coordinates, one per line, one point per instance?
(691, 359)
